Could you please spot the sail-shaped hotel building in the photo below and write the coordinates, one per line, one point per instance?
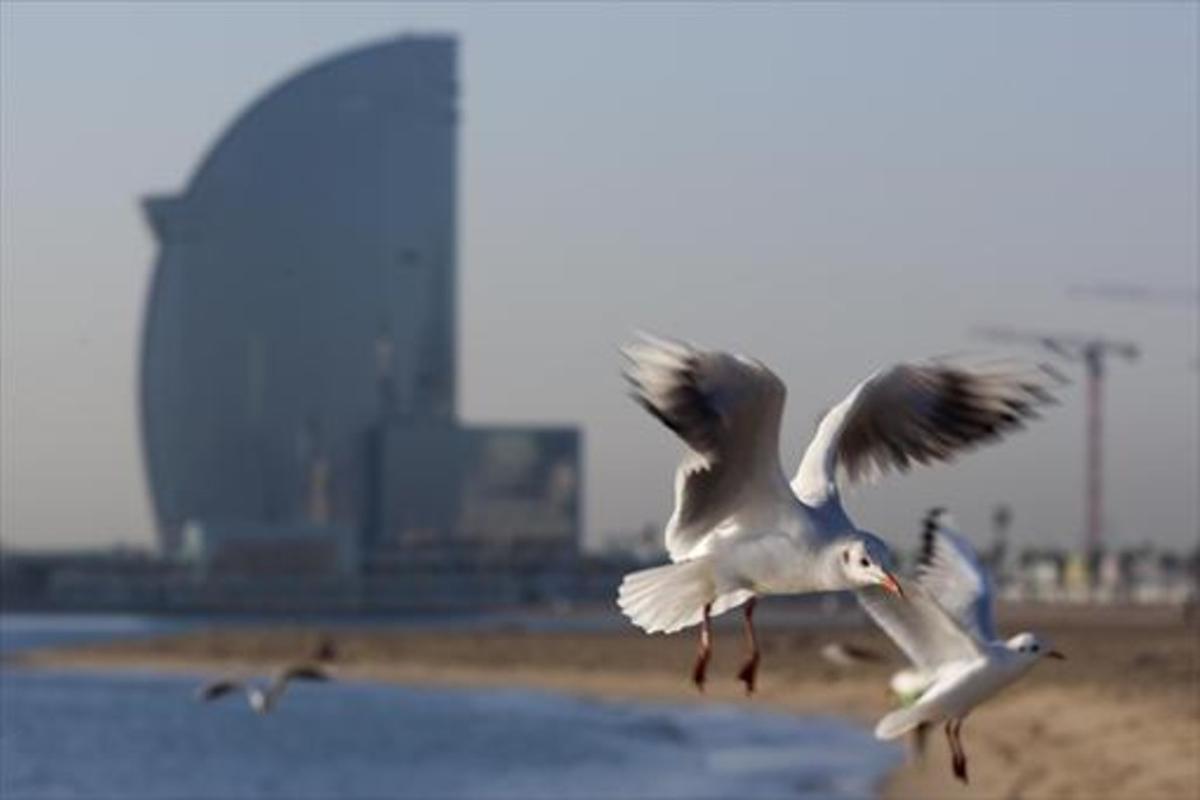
(299, 355)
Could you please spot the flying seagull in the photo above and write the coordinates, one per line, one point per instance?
(846, 654)
(262, 700)
(945, 627)
(739, 529)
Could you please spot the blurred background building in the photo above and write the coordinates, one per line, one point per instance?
(299, 399)
(299, 361)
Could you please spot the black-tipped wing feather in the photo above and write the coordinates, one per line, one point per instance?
(727, 410)
(946, 612)
(949, 568)
(297, 672)
(303, 672)
(922, 629)
(217, 689)
(918, 413)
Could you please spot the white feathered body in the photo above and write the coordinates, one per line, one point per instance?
(775, 555)
(956, 689)
(947, 629)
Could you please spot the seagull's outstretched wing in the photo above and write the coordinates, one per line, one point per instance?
(950, 570)
(918, 412)
(921, 628)
(217, 689)
(727, 410)
(294, 672)
(302, 672)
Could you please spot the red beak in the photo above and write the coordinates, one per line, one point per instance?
(890, 583)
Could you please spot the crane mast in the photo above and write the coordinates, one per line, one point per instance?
(1094, 352)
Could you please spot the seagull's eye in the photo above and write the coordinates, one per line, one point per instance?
(1034, 648)
(845, 556)
(864, 563)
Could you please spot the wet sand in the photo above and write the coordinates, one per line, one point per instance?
(1119, 719)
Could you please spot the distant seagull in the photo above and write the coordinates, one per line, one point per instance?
(945, 627)
(262, 700)
(739, 530)
(844, 654)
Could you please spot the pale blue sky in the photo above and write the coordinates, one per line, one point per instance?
(826, 186)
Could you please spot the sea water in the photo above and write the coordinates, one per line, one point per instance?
(136, 735)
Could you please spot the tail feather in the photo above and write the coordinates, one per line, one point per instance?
(668, 598)
(901, 721)
(730, 600)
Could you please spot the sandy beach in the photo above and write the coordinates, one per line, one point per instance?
(1119, 719)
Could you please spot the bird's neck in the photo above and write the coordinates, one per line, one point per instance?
(829, 575)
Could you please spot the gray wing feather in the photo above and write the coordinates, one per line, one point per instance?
(301, 672)
(921, 628)
(304, 672)
(727, 410)
(950, 570)
(217, 689)
(918, 413)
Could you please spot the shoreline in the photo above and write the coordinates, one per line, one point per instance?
(1078, 730)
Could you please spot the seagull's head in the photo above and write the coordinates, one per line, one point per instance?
(866, 561)
(1028, 647)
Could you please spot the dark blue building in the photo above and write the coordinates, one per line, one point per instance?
(299, 357)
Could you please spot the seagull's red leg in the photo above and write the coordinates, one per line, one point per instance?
(700, 669)
(918, 740)
(953, 745)
(749, 670)
(960, 756)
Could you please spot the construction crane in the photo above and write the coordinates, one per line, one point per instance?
(1140, 294)
(1093, 352)
(1136, 293)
